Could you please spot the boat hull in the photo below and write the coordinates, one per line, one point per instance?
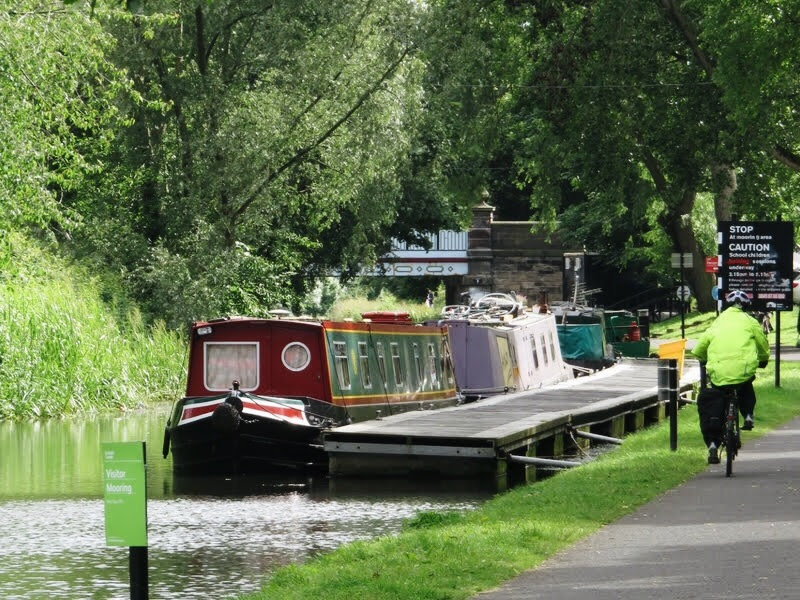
(219, 442)
(241, 433)
(254, 447)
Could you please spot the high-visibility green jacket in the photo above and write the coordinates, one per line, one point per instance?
(732, 347)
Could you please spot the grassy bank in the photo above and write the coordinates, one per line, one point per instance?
(453, 556)
(66, 349)
(694, 324)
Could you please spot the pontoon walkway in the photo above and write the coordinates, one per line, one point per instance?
(477, 439)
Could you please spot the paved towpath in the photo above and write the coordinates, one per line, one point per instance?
(711, 538)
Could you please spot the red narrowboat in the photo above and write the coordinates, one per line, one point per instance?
(260, 392)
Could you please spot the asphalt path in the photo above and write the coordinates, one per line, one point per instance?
(710, 538)
(787, 352)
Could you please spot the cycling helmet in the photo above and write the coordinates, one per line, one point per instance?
(737, 297)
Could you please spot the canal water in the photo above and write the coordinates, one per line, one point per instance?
(207, 537)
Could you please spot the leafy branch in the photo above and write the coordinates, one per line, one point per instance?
(270, 176)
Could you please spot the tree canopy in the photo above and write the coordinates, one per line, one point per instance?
(219, 156)
(622, 122)
(57, 109)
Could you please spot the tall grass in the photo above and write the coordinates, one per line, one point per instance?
(63, 350)
(353, 307)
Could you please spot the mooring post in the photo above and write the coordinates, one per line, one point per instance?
(137, 566)
(668, 392)
(777, 348)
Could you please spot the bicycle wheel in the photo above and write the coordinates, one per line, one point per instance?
(730, 447)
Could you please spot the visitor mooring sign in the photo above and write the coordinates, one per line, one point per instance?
(756, 257)
(125, 493)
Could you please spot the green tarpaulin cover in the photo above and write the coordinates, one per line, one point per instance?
(581, 341)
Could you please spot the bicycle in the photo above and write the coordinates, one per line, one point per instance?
(731, 434)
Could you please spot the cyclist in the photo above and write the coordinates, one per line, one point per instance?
(732, 348)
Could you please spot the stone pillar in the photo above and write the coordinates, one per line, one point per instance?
(479, 247)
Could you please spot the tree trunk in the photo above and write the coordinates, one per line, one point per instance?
(678, 226)
(677, 223)
(724, 178)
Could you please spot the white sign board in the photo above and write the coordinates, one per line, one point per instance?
(675, 260)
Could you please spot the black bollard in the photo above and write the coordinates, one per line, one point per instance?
(668, 393)
(137, 566)
(703, 376)
(673, 404)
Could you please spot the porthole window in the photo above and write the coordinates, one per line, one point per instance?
(296, 356)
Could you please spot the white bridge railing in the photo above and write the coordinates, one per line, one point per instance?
(446, 256)
(444, 240)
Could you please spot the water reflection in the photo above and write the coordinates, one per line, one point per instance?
(208, 537)
(61, 458)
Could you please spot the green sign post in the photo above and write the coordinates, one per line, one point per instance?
(125, 496)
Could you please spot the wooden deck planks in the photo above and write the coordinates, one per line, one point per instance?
(512, 415)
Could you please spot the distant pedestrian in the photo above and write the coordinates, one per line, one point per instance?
(429, 298)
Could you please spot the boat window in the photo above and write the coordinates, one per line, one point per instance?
(295, 356)
(544, 350)
(552, 346)
(534, 352)
(342, 366)
(226, 362)
(399, 378)
(447, 362)
(363, 361)
(381, 360)
(418, 364)
(432, 364)
(506, 360)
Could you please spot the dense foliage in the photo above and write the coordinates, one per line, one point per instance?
(627, 122)
(271, 144)
(219, 156)
(58, 111)
(71, 343)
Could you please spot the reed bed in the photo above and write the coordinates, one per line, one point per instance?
(353, 307)
(64, 351)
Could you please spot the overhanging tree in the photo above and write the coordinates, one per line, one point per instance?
(58, 109)
(277, 137)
